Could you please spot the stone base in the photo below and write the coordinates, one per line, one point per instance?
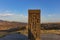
(37, 38)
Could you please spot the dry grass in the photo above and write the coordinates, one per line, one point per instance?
(50, 31)
(25, 32)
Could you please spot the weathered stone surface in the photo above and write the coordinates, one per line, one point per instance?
(34, 24)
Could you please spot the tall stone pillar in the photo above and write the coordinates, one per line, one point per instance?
(34, 24)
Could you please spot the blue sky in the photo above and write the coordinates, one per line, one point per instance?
(17, 10)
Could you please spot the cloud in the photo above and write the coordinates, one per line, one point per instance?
(50, 18)
(11, 16)
(53, 15)
(7, 14)
(14, 17)
(50, 15)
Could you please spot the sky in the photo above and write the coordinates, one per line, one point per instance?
(17, 10)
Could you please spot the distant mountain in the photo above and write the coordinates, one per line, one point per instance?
(1, 20)
(51, 26)
(4, 25)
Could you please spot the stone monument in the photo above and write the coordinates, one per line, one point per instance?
(34, 24)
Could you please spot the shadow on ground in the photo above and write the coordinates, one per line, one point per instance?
(14, 36)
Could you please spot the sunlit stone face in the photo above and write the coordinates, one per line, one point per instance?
(34, 23)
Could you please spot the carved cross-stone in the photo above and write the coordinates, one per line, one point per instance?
(34, 24)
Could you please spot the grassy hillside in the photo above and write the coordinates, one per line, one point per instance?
(50, 31)
(4, 25)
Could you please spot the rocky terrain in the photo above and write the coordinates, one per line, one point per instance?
(5, 25)
(9, 31)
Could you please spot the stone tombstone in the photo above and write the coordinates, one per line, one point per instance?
(34, 24)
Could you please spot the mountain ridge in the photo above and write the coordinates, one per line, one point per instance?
(4, 25)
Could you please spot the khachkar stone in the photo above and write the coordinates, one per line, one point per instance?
(34, 24)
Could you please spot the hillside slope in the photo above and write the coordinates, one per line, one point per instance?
(5, 25)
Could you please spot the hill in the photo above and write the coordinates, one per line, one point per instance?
(5, 25)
